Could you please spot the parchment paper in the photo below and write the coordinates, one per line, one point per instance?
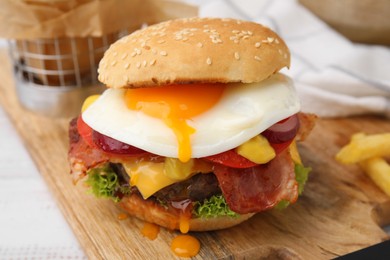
(29, 19)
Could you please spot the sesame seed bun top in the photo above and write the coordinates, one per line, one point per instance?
(194, 50)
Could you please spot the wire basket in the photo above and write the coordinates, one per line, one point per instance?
(54, 76)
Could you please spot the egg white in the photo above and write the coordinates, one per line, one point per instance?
(244, 111)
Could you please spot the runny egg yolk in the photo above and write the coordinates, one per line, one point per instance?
(175, 105)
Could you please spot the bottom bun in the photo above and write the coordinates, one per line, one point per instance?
(149, 211)
(208, 224)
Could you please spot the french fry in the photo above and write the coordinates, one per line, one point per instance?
(379, 171)
(363, 147)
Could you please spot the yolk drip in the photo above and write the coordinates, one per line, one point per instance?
(174, 105)
(185, 246)
(122, 216)
(184, 223)
(185, 209)
(150, 230)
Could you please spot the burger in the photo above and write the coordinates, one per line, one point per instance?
(197, 129)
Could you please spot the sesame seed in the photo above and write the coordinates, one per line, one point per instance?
(285, 55)
(138, 65)
(124, 56)
(208, 61)
(152, 62)
(133, 54)
(125, 78)
(280, 51)
(144, 63)
(236, 55)
(154, 51)
(270, 39)
(127, 65)
(160, 41)
(113, 63)
(200, 45)
(276, 41)
(138, 51)
(257, 44)
(245, 37)
(163, 53)
(257, 58)
(114, 53)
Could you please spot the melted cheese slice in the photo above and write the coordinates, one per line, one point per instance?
(150, 177)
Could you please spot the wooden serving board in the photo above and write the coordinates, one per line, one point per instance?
(340, 211)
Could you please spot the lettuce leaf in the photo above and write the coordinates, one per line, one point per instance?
(301, 176)
(213, 207)
(103, 182)
(282, 204)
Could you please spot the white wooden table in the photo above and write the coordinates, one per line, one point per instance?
(31, 225)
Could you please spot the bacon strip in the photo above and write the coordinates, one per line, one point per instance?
(258, 188)
(81, 156)
(307, 122)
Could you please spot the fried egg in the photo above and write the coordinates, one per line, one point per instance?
(194, 120)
